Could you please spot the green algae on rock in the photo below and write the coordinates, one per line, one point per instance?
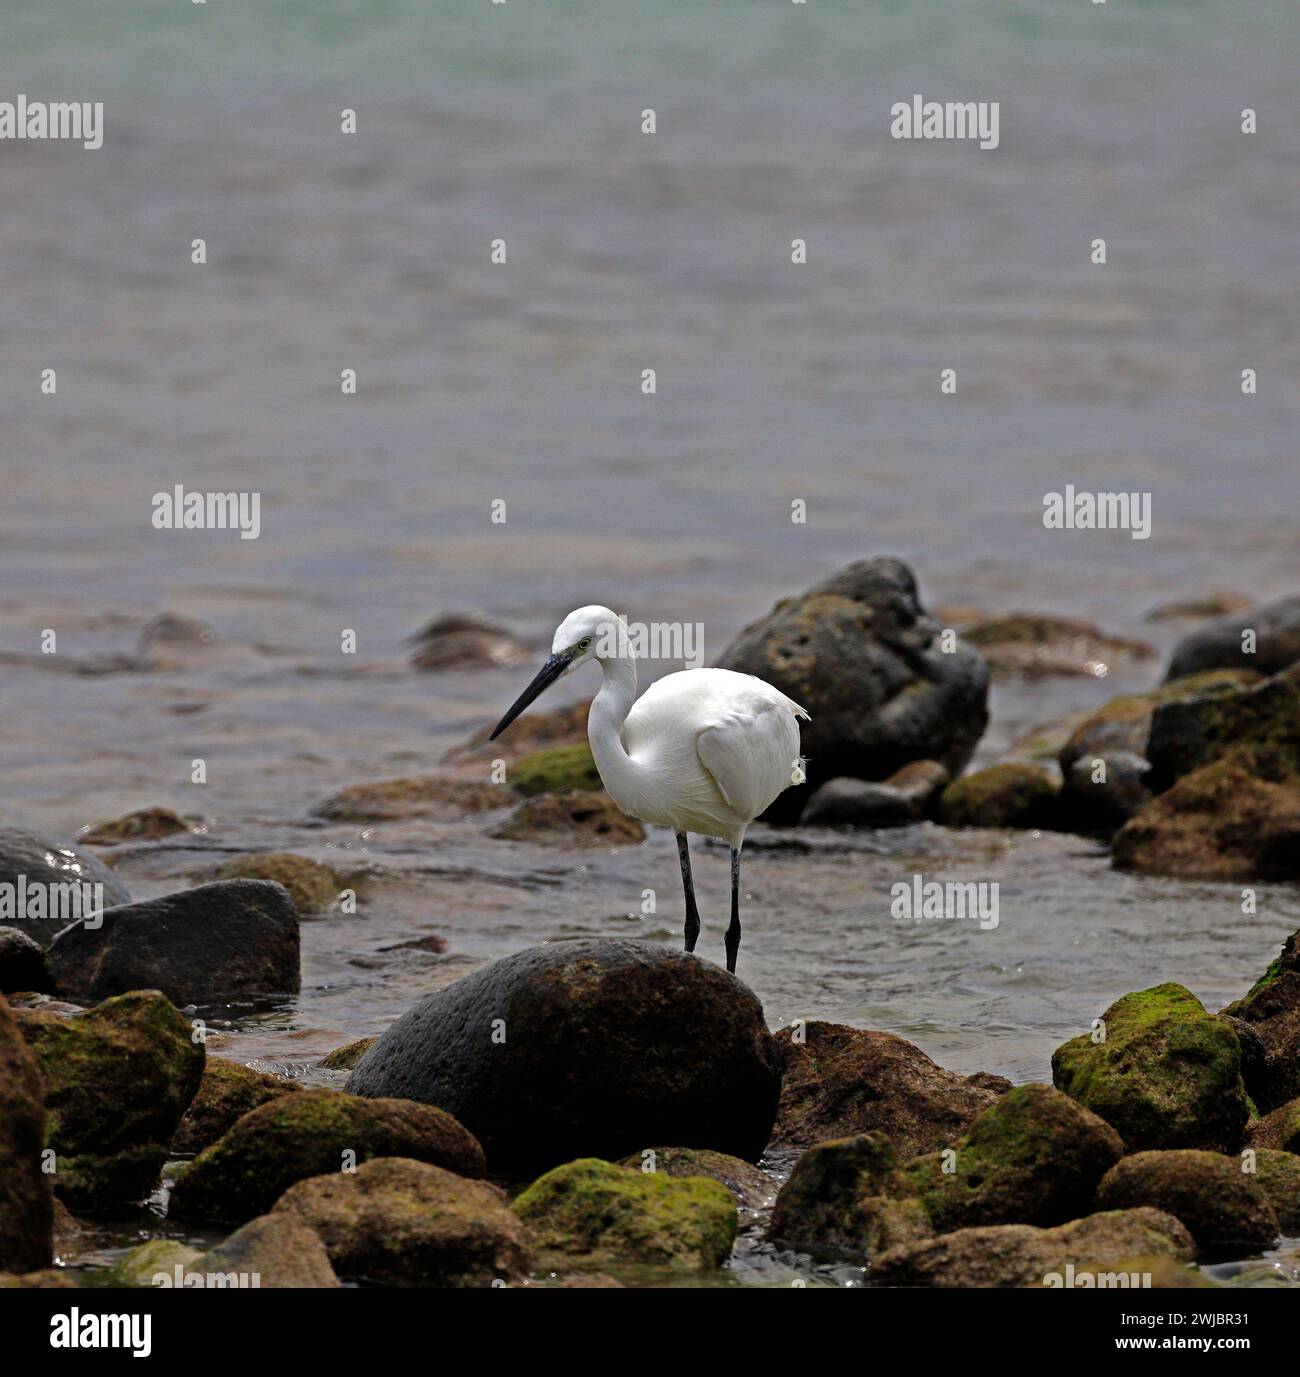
(1033, 1157)
(405, 1223)
(313, 887)
(1149, 1272)
(26, 1202)
(159, 1256)
(1277, 1174)
(1279, 1129)
(226, 1093)
(416, 796)
(1012, 794)
(559, 769)
(581, 817)
(849, 1197)
(599, 1213)
(294, 1137)
(752, 1187)
(117, 1079)
(346, 1057)
(1272, 1010)
(1162, 1072)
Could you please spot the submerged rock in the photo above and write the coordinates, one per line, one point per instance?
(346, 1057)
(1220, 645)
(147, 824)
(226, 1093)
(308, 1134)
(26, 1202)
(22, 963)
(44, 871)
(1200, 608)
(576, 819)
(312, 886)
(1033, 1157)
(457, 641)
(861, 655)
(1272, 1010)
(752, 1187)
(1007, 795)
(405, 1223)
(593, 1212)
(1217, 824)
(841, 1081)
(903, 798)
(420, 796)
(279, 1249)
(558, 769)
(1166, 1075)
(849, 1197)
(1036, 645)
(1223, 1208)
(117, 1080)
(1021, 1255)
(226, 938)
(587, 1048)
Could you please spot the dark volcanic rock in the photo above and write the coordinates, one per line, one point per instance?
(22, 963)
(589, 1048)
(861, 655)
(26, 1202)
(901, 799)
(842, 1081)
(1272, 1009)
(1219, 645)
(1221, 1205)
(31, 861)
(294, 1137)
(117, 1080)
(230, 937)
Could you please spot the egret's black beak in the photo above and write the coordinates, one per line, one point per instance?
(546, 676)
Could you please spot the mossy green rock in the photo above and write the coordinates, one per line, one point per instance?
(1033, 1157)
(346, 1057)
(312, 887)
(1279, 1129)
(560, 768)
(1272, 1009)
(1277, 1174)
(309, 1134)
(26, 1201)
(752, 1187)
(1223, 1207)
(226, 1093)
(848, 1197)
(1148, 1272)
(117, 1078)
(143, 1263)
(1167, 1075)
(598, 1213)
(1008, 795)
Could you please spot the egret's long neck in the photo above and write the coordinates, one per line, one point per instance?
(609, 710)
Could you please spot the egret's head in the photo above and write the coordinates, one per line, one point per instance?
(587, 632)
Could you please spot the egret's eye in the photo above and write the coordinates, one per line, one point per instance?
(584, 643)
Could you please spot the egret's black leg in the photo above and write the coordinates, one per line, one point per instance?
(733, 932)
(692, 913)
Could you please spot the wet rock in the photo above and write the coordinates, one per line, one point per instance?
(1217, 824)
(903, 798)
(28, 999)
(50, 1278)
(1200, 608)
(585, 1048)
(861, 655)
(1036, 645)
(1220, 644)
(1167, 1075)
(22, 963)
(405, 1223)
(312, 887)
(1148, 1273)
(226, 1093)
(279, 1250)
(1279, 1129)
(752, 1187)
(1277, 1174)
(171, 637)
(1223, 1208)
(154, 1263)
(1102, 793)
(26, 1202)
(38, 877)
(148, 824)
(346, 1057)
(1035, 1156)
(841, 1081)
(1021, 1255)
(226, 938)
(294, 1137)
(561, 768)
(1272, 1009)
(989, 1080)
(117, 1080)
(456, 641)
(420, 796)
(1255, 729)
(577, 819)
(598, 1213)
(1007, 795)
(533, 731)
(848, 1197)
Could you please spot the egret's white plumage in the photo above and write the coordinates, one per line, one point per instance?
(704, 750)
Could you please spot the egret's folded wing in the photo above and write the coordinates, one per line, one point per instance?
(751, 755)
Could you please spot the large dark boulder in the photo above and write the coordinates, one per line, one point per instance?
(1219, 644)
(227, 938)
(597, 1048)
(22, 963)
(863, 657)
(26, 1201)
(40, 873)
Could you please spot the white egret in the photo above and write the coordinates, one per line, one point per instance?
(704, 750)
